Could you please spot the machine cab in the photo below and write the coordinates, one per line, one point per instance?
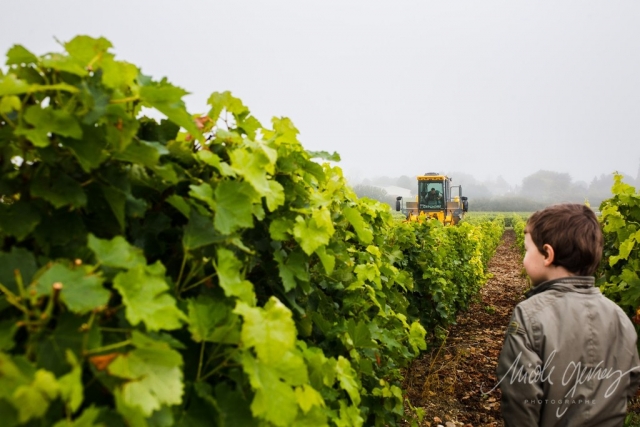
(436, 198)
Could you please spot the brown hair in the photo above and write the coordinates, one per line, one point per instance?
(573, 231)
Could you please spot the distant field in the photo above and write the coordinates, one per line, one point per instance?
(474, 217)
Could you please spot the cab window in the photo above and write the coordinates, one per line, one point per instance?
(431, 195)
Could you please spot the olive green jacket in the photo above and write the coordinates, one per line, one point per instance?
(569, 358)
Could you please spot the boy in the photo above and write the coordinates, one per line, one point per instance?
(569, 357)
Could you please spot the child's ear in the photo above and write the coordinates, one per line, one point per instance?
(550, 254)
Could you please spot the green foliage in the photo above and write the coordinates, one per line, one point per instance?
(620, 217)
(448, 266)
(519, 224)
(508, 217)
(200, 270)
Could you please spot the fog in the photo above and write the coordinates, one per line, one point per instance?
(492, 89)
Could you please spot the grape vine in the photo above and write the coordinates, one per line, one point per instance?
(199, 270)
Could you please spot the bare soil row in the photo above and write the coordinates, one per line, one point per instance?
(448, 382)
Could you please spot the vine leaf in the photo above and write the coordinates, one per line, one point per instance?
(82, 291)
(116, 252)
(144, 294)
(167, 99)
(274, 400)
(355, 219)
(270, 330)
(212, 320)
(29, 391)
(234, 208)
(230, 278)
(154, 375)
(18, 55)
(313, 232)
(348, 379)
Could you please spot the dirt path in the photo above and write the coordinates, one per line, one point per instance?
(446, 383)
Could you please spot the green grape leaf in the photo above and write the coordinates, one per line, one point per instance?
(18, 55)
(180, 204)
(253, 167)
(8, 329)
(294, 266)
(32, 400)
(328, 261)
(270, 330)
(416, 337)
(203, 192)
(275, 196)
(233, 207)
(82, 290)
(360, 334)
(9, 103)
(249, 125)
(121, 128)
(116, 252)
(11, 85)
(18, 219)
(90, 152)
(212, 320)
(307, 397)
(233, 407)
(86, 419)
(355, 219)
(71, 388)
(292, 369)
(118, 74)
(87, 50)
(154, 375)
(145, 295)
(57, 188)
(167, 99)
(225, 101)
(274, 400)
(30, 392)
(117, 201)
(280, 228)
(142, 152)
(349, 416)
(69, 334)
(348, 379)
(324, 155)
(199, 232)
(313, 232)
(368, 272)
(214, 160)
(230, 277)
(50, 120)
(285, 272)
(18, 260)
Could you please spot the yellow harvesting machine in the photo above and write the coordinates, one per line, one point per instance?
(436, 199)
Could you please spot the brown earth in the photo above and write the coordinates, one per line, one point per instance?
(448, 382)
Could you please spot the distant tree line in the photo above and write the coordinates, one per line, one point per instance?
(536, 191)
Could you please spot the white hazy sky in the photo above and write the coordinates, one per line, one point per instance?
(396, 87)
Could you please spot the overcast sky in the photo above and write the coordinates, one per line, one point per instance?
(396, 87)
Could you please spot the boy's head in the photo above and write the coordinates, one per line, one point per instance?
(572, 233)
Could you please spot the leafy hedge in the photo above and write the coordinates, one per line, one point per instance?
(519, 224)
(448, 266)
(214, 275)
(620, 218)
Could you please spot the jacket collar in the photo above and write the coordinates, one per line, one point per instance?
(580, 284)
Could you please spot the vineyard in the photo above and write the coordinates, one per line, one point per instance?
(207, 269)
